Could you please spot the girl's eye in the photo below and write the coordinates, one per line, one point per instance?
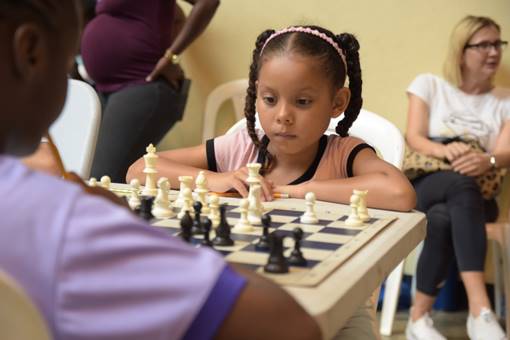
(269, 100)
(303, 101)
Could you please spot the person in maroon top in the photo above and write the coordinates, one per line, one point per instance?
(131, 51)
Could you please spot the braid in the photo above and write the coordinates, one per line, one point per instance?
(350, 46)
(251, 97)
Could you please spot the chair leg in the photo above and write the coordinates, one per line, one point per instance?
(498, 279)
(391, 293)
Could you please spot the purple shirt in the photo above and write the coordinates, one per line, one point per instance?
(96, 271)
(123, 43)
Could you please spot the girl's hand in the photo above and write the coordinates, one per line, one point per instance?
(225, 181)
(452, 151)
(294, 191)
(472, 164)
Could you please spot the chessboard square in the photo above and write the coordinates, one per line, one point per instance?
(169, 223)
(307, 228)
(281, 219)
(253, 258)
(248, 266)
(320, 245)
(238, 246)
(288, 241)
(329, 238)
(285, 212)
(341, 231)
(371, 220)
(244, 237)
(330, 215)
(321, 222)
(253, 248)
(232, 215)
(341, 224)
(316, 255)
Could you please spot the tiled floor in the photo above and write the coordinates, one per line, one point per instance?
(451, 325)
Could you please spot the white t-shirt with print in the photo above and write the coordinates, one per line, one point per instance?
(453, 112)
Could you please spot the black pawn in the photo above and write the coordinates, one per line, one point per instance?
(186, 223)
(197, 223)
(276, 263)
(207, 224)
(145, 210)
(296, 257)
(263, 243)
(223, 231)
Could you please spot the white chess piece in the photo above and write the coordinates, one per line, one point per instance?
(353, 220)
(105, 182)
(134, 199)
(309, 217)
(185, 182)
(362, 206)
(253, 173)
(150, 171)
(214, 210)
(161, 207)
(187, 202)
(255, 208)
(201, 191)
(243, 225)
(93, 182)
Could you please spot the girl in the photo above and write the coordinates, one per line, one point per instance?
(297, 85)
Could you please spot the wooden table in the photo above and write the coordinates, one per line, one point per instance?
(336, 298)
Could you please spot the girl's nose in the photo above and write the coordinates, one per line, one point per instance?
(284, 115)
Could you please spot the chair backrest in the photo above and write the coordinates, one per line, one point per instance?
(377, 131)
(75, 131)
(19, 318)
(235, 91)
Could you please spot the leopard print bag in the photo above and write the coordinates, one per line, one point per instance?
(417, 165)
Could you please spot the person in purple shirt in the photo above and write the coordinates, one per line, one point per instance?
(131, 50)
(91, 267)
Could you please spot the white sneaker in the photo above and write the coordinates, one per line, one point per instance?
(422, 329)
(484, 327)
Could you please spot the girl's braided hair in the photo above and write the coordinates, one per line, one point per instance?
(333, 66)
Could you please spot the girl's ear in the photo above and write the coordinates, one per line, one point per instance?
(28, 50)
(340, 101)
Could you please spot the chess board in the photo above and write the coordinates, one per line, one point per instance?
(325, 245)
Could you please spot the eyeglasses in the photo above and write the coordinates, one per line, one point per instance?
(485, 46)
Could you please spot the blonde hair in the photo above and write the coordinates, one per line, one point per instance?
(459, 38)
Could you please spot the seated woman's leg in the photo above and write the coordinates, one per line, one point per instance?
(434, 259)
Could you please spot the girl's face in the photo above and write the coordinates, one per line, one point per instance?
(480, 57)
(295, 102)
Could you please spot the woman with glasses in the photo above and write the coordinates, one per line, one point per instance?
(464, 104)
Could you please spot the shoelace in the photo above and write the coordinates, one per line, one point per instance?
(486, 316)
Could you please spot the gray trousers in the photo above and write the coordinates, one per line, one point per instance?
(133, 118)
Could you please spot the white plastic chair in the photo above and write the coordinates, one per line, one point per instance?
(387, 139)
(75, 131)
(235, 91)
(19, 318)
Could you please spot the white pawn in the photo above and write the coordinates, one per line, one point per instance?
(105, 182)
(134, 199)
(161, 207)
(187, 202)
(255, 208)
(201, 191)
(309, 216)
(93, 182)
(185, 182)
(353, 220)
(243, 225)
(362, 206)
(214, 210)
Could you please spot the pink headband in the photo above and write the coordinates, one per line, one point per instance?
(307, 30)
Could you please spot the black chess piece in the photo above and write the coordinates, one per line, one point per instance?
(223, 231)
(197, 222)
(296, 257)
(145, 210)
(207, 224)
(276, 263)
(186, 223)
(263, 243)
